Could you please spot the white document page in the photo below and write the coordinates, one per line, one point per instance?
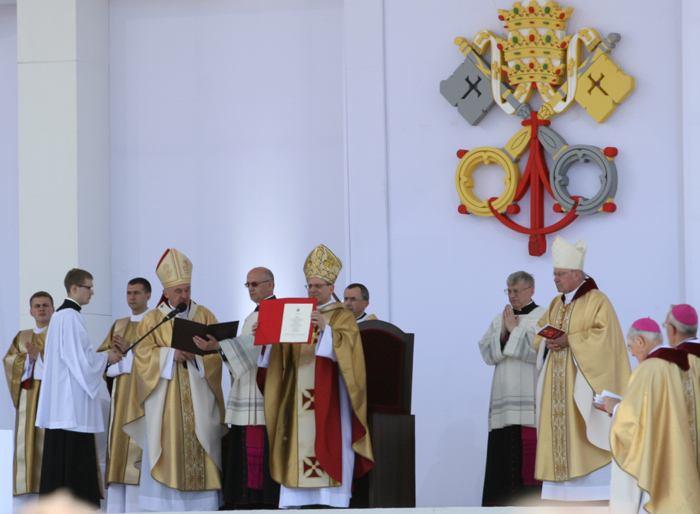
(296, 321)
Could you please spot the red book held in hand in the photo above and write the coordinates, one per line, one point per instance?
(285, 320)
(550, 332)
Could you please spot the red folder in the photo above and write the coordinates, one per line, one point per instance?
(270, 314)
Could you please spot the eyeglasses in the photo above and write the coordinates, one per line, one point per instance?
(249, 285)
(91, 288)
(516, 291)
(315, 286)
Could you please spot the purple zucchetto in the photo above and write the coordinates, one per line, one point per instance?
(646, 325)
(686, 314)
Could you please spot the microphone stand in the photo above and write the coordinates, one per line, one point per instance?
(169, 316)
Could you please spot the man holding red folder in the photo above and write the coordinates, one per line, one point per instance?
(316, 400)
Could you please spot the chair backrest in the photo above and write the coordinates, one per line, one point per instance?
(389, 362)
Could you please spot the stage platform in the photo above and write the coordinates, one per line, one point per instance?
(445, 510)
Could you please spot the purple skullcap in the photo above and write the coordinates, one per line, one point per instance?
(685, 314)
(646, 325)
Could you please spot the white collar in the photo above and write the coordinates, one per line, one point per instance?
(568, 297)
(361, 316)
(326, 304)
(137, 317)
(691, 340)
(38, 330)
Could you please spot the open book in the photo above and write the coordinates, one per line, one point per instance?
(184, 330)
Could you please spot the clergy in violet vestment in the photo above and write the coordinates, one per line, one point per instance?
(573, 448)
(316, 400)
(176, 410)
(69, 407)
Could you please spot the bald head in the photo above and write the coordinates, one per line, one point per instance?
(260, 283)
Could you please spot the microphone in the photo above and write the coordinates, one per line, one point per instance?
(181, 307)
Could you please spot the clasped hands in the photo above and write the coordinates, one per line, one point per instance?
(510, 320)
(32, 350)
(118, 350)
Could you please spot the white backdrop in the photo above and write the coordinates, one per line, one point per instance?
(227, 140)
(236, 129)
(237, 157)
(9, 239)
(448, 270)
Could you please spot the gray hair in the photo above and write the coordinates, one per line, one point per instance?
(516, 277)
(687, 330)
(651, 337)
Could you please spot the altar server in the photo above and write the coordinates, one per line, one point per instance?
(69, 408)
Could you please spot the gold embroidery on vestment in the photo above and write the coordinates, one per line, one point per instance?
(559, 361)
(689, 395)
(194, 453)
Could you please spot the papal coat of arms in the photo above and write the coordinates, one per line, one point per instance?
(537, 57)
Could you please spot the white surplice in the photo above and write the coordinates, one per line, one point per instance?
(72, 384)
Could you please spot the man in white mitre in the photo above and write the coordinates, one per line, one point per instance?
(176, 409)
(573, 448)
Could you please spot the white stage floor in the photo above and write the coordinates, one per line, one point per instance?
(440, 510)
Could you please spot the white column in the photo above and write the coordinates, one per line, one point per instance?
(690, 17)
(63, 149)
(690, 270)
(367, 173)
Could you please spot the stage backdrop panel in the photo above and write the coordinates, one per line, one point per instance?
(227, 141)
(449, 270)
(9, 230)
(228, 126)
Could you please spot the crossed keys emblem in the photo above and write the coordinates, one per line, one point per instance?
(537, 55)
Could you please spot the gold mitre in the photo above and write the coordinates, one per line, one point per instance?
(322, 263)
(174, 268)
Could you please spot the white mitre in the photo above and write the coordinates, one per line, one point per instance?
(568, 256)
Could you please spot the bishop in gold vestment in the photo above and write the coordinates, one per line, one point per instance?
(316, 401)
(654, 469)
(682, 330)
(572, 436)
(23, 376)
(176, 410)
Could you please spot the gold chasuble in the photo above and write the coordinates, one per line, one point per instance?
(692, 392)
(573, 436)
(181, 418)
(29, 440)
(302, 407)
(650, 439)
(123, 454)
